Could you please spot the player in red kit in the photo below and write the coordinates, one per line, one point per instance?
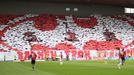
(122, 55)
(33, 59)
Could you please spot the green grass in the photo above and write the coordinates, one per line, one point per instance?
(68, 68)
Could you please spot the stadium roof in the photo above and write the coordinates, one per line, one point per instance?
(124, 3)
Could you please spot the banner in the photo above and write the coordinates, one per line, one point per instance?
(67, 55)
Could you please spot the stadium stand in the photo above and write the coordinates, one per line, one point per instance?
(48, 32)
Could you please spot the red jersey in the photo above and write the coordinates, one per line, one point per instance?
(122, 54)
(33, 56)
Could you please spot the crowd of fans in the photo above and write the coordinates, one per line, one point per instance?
(65, 32)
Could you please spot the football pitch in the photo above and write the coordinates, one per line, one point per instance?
(67, 68)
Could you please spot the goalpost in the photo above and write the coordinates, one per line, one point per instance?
(8, 56)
